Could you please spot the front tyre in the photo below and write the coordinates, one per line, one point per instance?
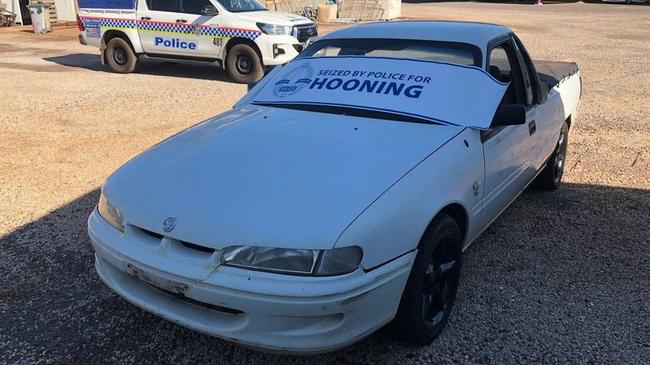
(431, 289)
(244, 64)
(551, 176)
(119, 56)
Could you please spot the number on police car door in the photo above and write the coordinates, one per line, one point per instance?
(176, 27)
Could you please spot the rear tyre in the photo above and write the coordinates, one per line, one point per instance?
(244, 64)
(119, 56)
(431, 289)
(551, 176)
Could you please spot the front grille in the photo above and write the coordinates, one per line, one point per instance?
(197, 247)
(196, 302)
(152, 234)
(190, 245)
(304, 33)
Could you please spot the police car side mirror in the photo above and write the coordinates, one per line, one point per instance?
(311, 40)
(209, 10)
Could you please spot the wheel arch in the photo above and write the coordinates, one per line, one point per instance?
(570, 119)
(112, 33)
(240, 40)
(458, 213)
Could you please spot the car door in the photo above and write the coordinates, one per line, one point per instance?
(507, 149)
(548, 117)
(180, 28)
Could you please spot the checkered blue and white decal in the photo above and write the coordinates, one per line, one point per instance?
(165, 27)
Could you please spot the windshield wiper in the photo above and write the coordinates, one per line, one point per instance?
(350, 111)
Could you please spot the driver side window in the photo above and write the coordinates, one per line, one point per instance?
(504, 67)
(172, 6)
(178, 6)
(194, 6)
(499, 65)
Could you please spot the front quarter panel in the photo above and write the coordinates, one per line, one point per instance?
(395, 222)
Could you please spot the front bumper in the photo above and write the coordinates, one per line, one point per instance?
(278, 49)
(280, 313)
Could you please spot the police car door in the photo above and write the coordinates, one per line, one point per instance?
(179, 27)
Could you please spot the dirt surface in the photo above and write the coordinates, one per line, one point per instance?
(560, 277)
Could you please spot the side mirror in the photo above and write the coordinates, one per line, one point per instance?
(311, 40)
(209, 10)
(509, 114)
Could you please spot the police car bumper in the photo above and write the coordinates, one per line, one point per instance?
(272, 312)
(278, 50)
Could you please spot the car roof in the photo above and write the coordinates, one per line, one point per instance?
(477, 34)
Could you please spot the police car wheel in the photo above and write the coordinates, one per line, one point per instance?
(119, 56)
(244, 64)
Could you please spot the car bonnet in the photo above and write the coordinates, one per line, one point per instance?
(269, 176)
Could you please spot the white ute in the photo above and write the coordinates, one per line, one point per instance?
(240, 35)
(339, 193)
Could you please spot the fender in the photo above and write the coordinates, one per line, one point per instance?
(131, 36)
(450, 186)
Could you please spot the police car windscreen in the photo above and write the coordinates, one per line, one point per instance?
(241, 6)
(459, 53)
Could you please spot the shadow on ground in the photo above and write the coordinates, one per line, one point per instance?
(561, 276)
(193, 70)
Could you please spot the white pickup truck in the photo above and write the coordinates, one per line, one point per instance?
(339, 193)
(241, 36)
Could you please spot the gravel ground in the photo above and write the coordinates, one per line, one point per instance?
(560, 278)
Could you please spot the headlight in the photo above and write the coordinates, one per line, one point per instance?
(274, 29)
(336, 261)
(111, 214)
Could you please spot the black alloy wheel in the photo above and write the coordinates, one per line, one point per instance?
(430, 292)
(550, 177)
(440, 281)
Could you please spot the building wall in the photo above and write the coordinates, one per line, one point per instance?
(12, 6)
(66, 10)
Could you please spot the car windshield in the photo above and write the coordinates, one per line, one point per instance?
(394, 88)
(458, 53)
(240, 6)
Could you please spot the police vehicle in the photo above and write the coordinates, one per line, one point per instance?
(339, 194)
(240, 35)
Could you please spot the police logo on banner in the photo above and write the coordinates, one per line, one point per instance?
(294, 81)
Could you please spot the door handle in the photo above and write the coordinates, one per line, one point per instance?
(181, 21)
(532, 127)
(145, 18)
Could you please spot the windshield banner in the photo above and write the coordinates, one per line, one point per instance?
(436, 91)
